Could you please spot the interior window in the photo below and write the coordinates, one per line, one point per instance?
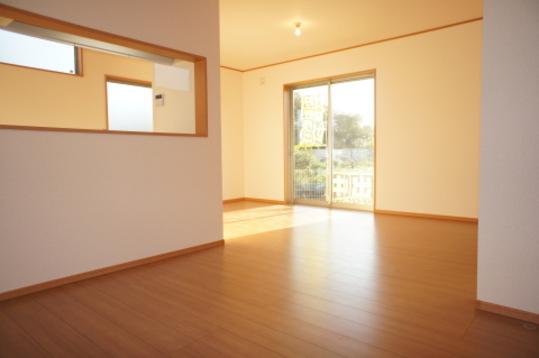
(126, 85)
(129, 106)
(29, 51)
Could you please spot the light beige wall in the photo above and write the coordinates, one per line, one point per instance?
(74, 202)
(178, 113)
(508, 250)
(45, 99)
(427, 117)
(232, 134)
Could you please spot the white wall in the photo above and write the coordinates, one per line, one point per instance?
(428, 103)
(232, 134)
(508, 264)
(73, 202)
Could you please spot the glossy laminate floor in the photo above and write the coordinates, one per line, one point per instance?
(290, 281)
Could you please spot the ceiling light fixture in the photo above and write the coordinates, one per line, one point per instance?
(297, 30)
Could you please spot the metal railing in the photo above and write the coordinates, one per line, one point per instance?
(351, 186)
(310, 184)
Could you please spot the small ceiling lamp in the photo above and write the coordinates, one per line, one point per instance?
(297, 30)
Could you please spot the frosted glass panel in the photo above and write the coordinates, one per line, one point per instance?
(130, 107)
(22, 50)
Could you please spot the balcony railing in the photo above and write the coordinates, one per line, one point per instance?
(350, 186)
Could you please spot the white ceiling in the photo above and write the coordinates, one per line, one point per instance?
(260, 32)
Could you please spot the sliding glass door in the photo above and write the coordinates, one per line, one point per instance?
(310, 112)
(333, 143)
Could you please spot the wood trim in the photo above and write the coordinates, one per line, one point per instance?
(267, 201)
(235, 200)
(508, 311)
(128, 81)
(426, 216)
(80, 64)
(105, 270)
(256, 200)
(415, 33)
(106, 89)
(231, 68)
(375, 144)
(93, 131)
(200, 62)
(371, 72)
(201, 98)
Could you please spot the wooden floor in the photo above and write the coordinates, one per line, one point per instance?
(290, 281)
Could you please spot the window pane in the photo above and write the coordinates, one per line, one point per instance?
(34, 52)
(130, 107)
(310, 111)
(353, 142)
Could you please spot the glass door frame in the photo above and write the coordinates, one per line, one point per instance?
(290, 135)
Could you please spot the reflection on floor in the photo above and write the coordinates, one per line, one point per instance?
(291, 281)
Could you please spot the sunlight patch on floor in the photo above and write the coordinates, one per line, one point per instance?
(250, 221)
